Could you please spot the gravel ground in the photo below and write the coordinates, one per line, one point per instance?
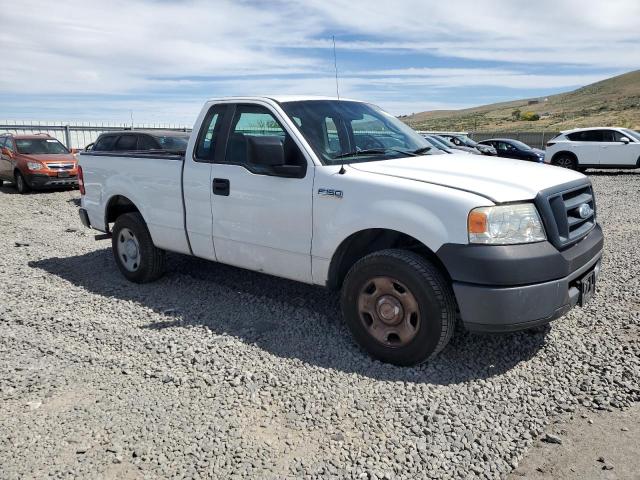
(215, 371)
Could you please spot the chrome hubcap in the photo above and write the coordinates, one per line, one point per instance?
(389, 311)
(128, 250)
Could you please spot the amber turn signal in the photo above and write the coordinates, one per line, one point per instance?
(477, 222)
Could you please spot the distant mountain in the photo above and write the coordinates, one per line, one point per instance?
(611, 102)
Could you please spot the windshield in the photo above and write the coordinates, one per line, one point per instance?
(635, 135)
(441, 141)
(35, 146)
(346, 132)
(437, 144)
(467, 141)
(168, 142)
(520, 145)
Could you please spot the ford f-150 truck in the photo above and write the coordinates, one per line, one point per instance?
(341, 194)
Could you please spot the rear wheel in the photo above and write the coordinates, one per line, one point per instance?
(138, 259)
(566, 161)
(21, 184)
(1, 182)
(398, 306)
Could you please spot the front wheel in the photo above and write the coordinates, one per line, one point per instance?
(565, 161)
(398, 306)
(138, 259)
(21, 184)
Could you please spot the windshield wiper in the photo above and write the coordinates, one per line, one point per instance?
(366, 151)
(369, 151)
(421, 150)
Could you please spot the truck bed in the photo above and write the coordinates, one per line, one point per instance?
(151, 180)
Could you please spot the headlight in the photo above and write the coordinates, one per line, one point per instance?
(35, 166)
(505, 224)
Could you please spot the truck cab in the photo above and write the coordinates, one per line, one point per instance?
(340, 193)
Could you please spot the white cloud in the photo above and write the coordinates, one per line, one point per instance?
(151, 54)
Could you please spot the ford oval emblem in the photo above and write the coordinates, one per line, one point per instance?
(584, 211)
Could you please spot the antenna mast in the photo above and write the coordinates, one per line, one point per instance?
(335, 65)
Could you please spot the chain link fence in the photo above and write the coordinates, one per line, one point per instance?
(78, 135)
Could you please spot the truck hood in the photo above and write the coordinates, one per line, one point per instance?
(498, 179)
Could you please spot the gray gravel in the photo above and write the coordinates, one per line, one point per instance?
(214, 371)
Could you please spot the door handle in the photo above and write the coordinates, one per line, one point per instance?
(221, 186)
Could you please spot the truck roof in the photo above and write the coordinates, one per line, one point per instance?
(283, 98)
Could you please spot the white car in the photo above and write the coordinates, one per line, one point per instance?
(600, 147)
(341, 194)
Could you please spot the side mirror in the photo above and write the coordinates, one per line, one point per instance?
(267, 151)
(625, 140)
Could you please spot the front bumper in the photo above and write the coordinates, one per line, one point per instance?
(39, 180)
(510, 288)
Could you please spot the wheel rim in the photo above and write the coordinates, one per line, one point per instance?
(565, 162)
(389, 311)
(128, 250)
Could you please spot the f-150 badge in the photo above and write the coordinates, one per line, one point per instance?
(330, 192)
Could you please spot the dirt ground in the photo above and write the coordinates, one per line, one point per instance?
(603, 445)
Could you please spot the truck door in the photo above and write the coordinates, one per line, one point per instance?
(196, 181)
(261, 218)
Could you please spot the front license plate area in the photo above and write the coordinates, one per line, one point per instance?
(63, 174)
(587, 287)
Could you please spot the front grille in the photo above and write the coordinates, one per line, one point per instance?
(560, 209)
(60, 166)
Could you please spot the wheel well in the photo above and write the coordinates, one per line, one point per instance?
(118, 205)
(565, 153)
(364, 242)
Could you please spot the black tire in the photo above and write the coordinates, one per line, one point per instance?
(150, 259)
(21, 183)
(1, 182)
(566, 161)
(428, 287)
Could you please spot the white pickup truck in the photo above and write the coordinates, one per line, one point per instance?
(341, 194)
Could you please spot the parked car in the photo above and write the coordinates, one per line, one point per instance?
(464, 141)
(36, 162)
(453, 146)
(508, 148)
(411, 241)
(136, 140)
(600, 147)
(439, 144)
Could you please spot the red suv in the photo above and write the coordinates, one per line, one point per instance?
(36, 161)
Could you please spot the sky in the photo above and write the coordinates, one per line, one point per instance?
(159, 60)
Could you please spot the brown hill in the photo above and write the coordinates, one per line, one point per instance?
(611, 102)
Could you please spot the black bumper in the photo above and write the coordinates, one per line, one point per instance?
(509, 288)
(45, 181)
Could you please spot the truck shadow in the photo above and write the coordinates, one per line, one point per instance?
(285, 318)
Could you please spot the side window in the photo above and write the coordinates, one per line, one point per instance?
(126, 143)
(146, 142)
(617, 136)
(10, 144)
(208, 138)
(250, 121)
(586, 136)
(2, 140)
(105, 143)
